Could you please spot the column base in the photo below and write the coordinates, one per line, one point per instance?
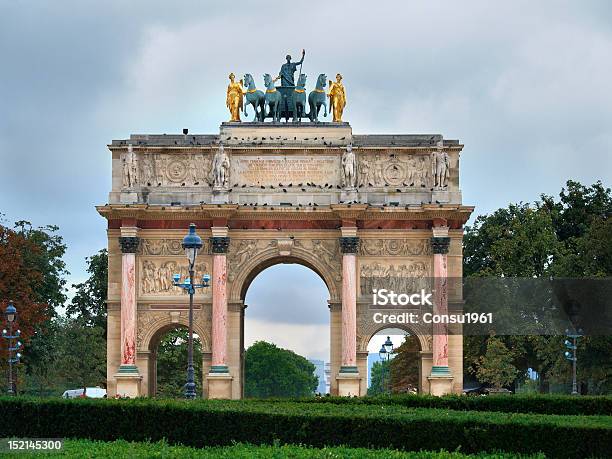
(348, 382)
(128, 381)
(219, 384)
(440, 381)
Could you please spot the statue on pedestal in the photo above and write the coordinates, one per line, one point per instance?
(440, 166)
(349, 168)
(337, 98)
(220, 169)
(130, 168)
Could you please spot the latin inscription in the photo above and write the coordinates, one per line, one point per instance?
(275, 170)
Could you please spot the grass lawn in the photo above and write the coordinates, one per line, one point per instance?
(124, 449)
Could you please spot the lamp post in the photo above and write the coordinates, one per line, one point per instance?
(11, 316)
(571, 354)
(385, 355)
(192, 243)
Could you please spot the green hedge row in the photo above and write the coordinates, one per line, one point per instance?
(214, 423)
(540, 404)
(87, 449)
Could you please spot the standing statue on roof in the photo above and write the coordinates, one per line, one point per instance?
(288, 69)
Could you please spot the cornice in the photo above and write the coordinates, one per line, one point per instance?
(333, 212)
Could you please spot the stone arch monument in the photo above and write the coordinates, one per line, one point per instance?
(359, 210)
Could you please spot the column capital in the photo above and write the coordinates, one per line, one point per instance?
(219, 244)
(129, 244)
(349, 244)
(439, 245)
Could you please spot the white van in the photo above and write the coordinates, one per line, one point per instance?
(91, 392)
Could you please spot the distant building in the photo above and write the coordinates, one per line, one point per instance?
(327, 377)
(319, 372)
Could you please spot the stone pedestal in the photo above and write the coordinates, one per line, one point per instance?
(348, 384)
(220, 196)
(219, 385)
(128, 381)
(440, 385)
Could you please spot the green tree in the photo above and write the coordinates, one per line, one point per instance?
(565, 237)
(172, 363)
(271, 371)
(89, 300)
(495, 366)
(81, 356)
(380, 378)
(404, 367)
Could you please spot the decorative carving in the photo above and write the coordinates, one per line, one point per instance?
(440, 245)
(239, 255)
(220, 169)
(440, 166)
(349, 244)
(168, 170)
(391, 170)
(404, 278)
(395, 247)
(156, 276)
(349, 169)
(130, 168)
(129, 244)
(149, 322)
(219, 244)
(327, 251)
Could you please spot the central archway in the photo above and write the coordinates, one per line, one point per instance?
(309, 254)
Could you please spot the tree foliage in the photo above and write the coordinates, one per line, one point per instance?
(89, 300)
(568, 237)
(271, 371)
(172, 363)
(380, 380)
(405, 367)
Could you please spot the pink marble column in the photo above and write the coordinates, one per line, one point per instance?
(129, 246)
(349, 246)
(440, 300)
(219, 311)
(219, 305)
(349, 311)
(440, 338)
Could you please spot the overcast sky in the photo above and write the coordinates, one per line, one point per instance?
(524, 85)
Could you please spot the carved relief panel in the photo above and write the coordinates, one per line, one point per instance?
(160, 169)
(395, 169)
(156, 275)
(400, 277)
(394, 247)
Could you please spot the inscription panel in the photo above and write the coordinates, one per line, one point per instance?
(272, 170)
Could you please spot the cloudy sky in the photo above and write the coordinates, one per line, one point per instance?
(524, 85)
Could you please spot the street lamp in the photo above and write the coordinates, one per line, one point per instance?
(571, 354)
(385, 354)
(192, 243)
(11, 316)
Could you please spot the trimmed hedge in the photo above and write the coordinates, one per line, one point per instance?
(112, 450)
(539, 404)
(216, 423)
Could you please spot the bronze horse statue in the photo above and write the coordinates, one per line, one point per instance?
(273, 99)
(254, 97)
(318, 98)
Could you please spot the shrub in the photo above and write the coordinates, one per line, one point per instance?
(214, 423)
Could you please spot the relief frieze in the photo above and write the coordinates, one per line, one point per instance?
(394, 247)
(156, 276)
(399, 277)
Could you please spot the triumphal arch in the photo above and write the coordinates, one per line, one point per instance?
(359, 210)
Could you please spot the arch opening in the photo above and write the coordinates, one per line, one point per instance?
(168, 361)
(394, 362)
(286, 306)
